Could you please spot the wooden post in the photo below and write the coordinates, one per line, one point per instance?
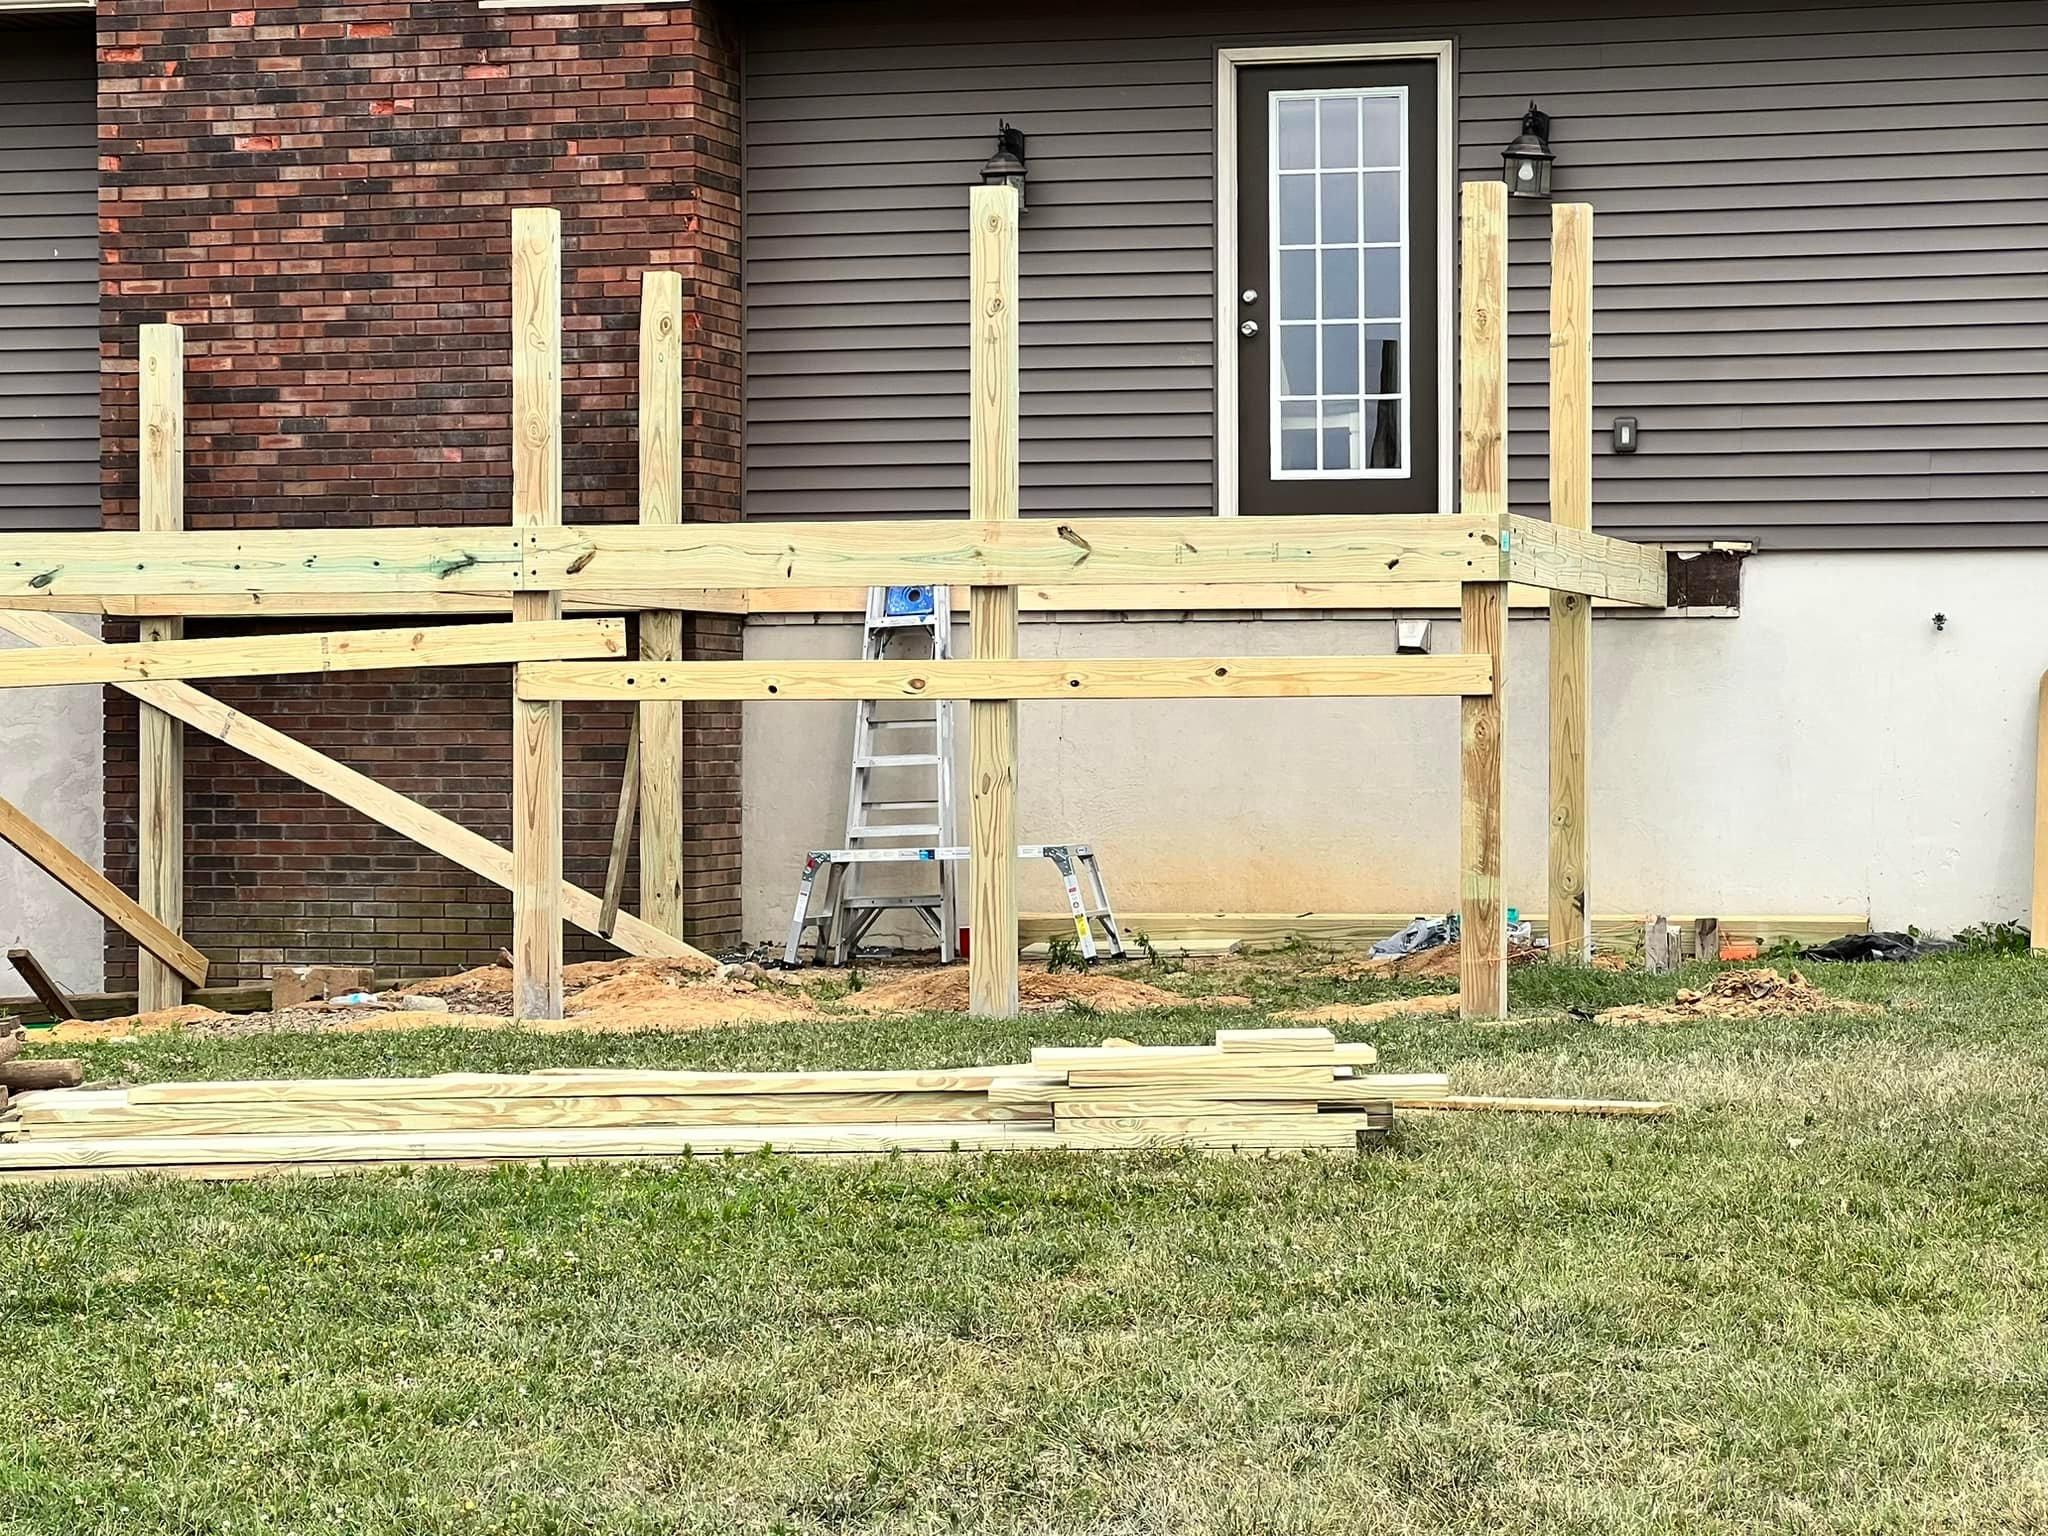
(536, 503)
(1660, 947)
(1483, 480)
(1571, 613)
(661, 630)
(622, 835)
(993, 478)
(160, 806)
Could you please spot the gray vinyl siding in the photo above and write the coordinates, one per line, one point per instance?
(49, 278)
(1822, 233)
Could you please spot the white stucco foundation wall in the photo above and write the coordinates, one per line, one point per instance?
(1829, 751)
(51, 765)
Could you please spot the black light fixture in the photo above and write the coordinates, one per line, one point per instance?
(1528, 159)
(1006, 168)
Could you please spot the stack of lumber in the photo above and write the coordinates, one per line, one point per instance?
(20, 1075)
(1253, 1090)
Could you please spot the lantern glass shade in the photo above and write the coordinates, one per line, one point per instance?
(1528, 175)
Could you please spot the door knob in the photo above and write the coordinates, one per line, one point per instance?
(1249, 328)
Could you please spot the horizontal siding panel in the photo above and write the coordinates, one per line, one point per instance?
(49, 279)
(1822, 277)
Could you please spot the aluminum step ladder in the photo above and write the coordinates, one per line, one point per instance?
(1088, 905)
(912, 744)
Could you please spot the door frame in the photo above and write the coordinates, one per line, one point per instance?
(1228, 62)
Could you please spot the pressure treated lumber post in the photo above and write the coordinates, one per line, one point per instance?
(1571, 613)
(536, 504)
(993, 476)
(1483, 480)
(661, 629)
(160, 803)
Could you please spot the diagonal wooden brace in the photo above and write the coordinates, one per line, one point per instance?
(453, 841)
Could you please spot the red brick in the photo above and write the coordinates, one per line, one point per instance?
(345, 304)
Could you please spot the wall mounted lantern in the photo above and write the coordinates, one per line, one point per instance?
(1528, 159)
(1005, 168)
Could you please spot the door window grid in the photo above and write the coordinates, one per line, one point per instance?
(1338, 214)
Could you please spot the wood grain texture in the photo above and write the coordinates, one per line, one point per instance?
(41, 984)
(385, 806)
(73, 1114)
(622, 833)
(248, 1155)
(1192, 677)
(160, 746)
(993, 477)
(42, 849)
(1571, 613)
(1071, 552)
(1482, 782)
(590, 559)
(661, 631)
(1572, 560)
(537, 507)
(348, 650)
(566, 1083)
(1483, 348)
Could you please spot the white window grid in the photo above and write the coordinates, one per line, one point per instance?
(1276, 383)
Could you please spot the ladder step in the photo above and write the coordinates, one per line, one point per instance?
(926, 721)
(886, 903)
(899, 805)
(899, 760)
(908, 829)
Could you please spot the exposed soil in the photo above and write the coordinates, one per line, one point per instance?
(1757, 994)
(1441, 961)
(161, 1020)
(945, 990)
(1432, 1006)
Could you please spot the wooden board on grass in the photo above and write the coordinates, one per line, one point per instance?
(567, 1083)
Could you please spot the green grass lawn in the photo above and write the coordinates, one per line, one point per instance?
(1817, 1301)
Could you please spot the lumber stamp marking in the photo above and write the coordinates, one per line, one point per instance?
(993, 483)
(536, 508)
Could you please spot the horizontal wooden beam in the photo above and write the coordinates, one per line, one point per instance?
(1211, 677)
(43, 849)
(360, 650)
(364, 605)
(360, 793)
(588, 558)
(1045, 597)
(271, 560)
(1562, 559)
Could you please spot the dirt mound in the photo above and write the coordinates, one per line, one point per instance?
(1758, 994)
(1441, 961)
(160, 1021)
(1433, 1005)
(944, 990)
(487, 989)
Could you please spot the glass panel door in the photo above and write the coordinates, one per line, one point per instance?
(1337, 314)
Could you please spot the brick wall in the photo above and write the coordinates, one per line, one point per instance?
(321, 195)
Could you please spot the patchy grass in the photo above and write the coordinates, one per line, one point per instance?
(1815, 1302)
